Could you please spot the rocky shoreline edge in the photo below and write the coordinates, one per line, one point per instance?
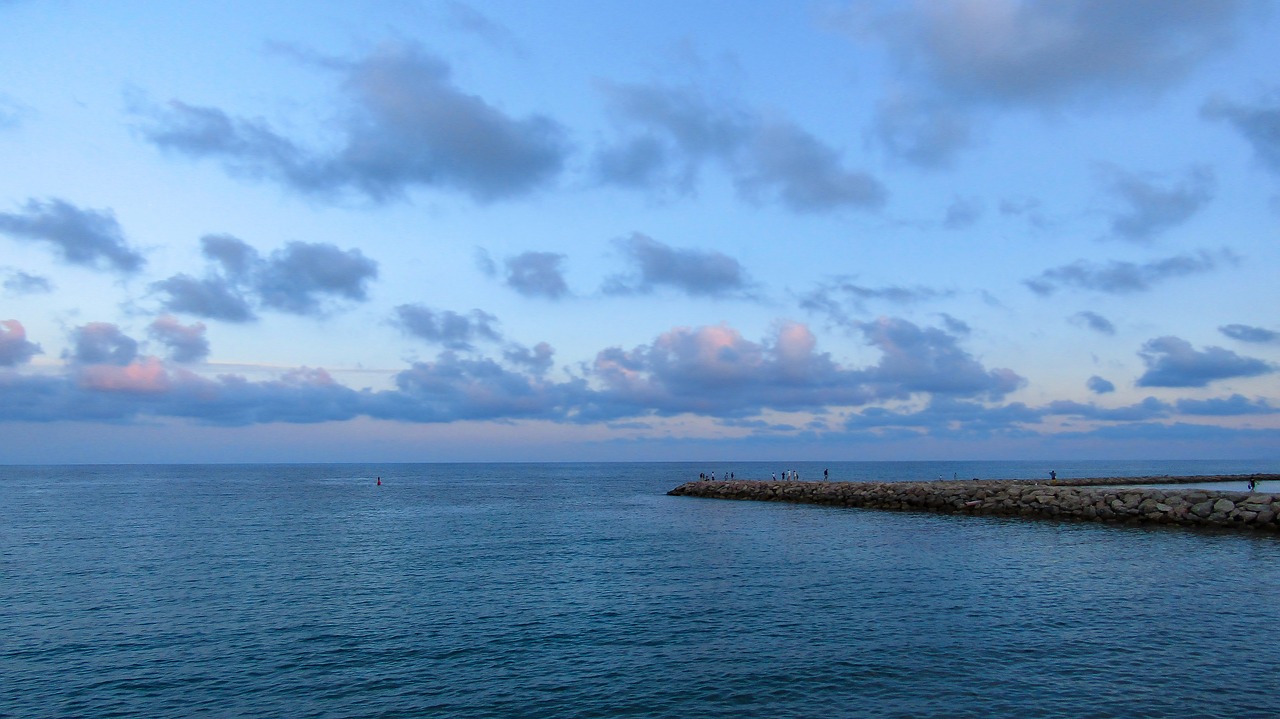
(1098, 499)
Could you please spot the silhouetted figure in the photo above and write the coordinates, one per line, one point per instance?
(825, 474)
(1053, 475)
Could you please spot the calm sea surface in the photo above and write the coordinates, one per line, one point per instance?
(581, 590)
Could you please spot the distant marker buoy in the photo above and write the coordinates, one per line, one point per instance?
(379, 481)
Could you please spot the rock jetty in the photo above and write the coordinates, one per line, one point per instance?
(1106, 499)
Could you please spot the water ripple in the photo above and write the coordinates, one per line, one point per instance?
(582, 591)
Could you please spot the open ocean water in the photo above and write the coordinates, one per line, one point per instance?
(582, 590)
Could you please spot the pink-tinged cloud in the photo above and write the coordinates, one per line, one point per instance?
(14, 347)
(144, 376)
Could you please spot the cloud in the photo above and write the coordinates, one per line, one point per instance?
(696, 273)
(446, 327)
(301, 278)
(1046, 54)
(298, 277)
(17, 282)
(453, 388)
(14, 347)
(186, 343)
(1258, 123)
(1148, 409)
(1098, 385)
(929, 360)
(841, 299)
(237, 258)
(675, 131)
(956, 58)
(805, 174)
(537, 359)
(1120, 278)
(920, 132)
(1233, 406)
(1095, 322)
(1247, 333)
(715, 371)
(473, 22)
(1172, 362)
(102, 343)
(91, 238)
(537, 274)
(945, 417)
(1028, 208)
(404, 125)
(213, 298)
(1151, 208)
(962, 212)
(12, 113)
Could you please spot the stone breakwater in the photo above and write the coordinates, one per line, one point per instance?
(1095, 499)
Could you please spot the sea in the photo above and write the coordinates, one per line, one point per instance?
(583, 590)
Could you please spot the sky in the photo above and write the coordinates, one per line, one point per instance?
(580, 230)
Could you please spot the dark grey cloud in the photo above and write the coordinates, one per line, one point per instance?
(537, 359)
(186, 343)
(17, 282)
(473, 22)
(91, 238)
(15, 349)
(1173, 362)
(1151, 205)
(1120, 278)
(237, 259)
(1258, 123)
(842, 298)
(711, 371)
(958, 58)
(405, 125)
(716, 371)
(1235, 405)
(454, 388)
(920, 132)
(1027, 208)
(1050, 53)
(1248, 333)
(1098, 385)
(916, 359)
(803, 173)
(1148, 409)
(955, 326)
(301, 278)
(945, 417)
(537, 274)
(669, 134)
(446, 327)
(1095, 322)
(962, 212)
(102, 343)
(214, 298)
(694, 272)
(641, 162)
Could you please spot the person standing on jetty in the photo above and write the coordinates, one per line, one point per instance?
(1053, 475)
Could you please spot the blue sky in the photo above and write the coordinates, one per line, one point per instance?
(419, 231)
